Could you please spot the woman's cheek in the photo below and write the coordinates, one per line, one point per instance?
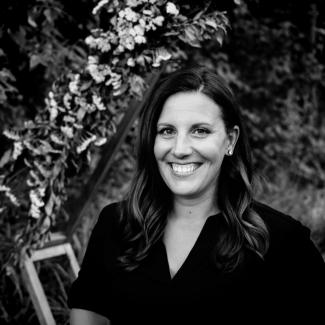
(161, 148)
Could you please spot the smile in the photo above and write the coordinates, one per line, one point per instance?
(184, 169)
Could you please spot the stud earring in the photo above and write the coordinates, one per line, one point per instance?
(229, 153)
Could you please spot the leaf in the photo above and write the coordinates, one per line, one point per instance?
(20, 37)
(211, 22)
(31, 22)
(86, 85)
(34, 61)
(49, 205)
(48, 15)
(5, 158)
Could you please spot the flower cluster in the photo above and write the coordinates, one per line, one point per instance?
(82, 110)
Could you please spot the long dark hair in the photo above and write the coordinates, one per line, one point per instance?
(149, 200)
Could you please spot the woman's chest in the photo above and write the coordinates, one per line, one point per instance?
(178, 244)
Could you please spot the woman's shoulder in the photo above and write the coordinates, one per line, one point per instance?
(108, 219)
(110, 210)
(292, 246)
(279, 223)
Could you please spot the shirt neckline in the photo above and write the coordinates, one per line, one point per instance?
(192, 256)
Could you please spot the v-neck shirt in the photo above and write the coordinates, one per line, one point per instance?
(149, 295)
(196, 242)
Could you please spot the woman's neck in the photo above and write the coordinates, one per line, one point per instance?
(194, 210)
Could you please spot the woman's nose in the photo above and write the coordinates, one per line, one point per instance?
(182, 146)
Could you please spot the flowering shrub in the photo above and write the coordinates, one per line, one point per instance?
(82, 111)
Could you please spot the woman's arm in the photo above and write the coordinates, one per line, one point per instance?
(86, 317)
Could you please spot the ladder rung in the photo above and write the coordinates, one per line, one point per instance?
(33, 282)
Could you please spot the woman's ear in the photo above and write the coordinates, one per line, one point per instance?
(233, 135)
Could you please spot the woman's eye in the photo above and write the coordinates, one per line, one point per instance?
(201, 131)
(166, 132)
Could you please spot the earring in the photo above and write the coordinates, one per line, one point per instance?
(229, 153)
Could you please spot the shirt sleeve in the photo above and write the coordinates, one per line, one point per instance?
(305, 274)
(91, 289)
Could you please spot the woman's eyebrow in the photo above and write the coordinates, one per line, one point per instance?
(164, 124)
(201, 124)
(195, 125)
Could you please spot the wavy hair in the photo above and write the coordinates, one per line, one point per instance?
(149, 200)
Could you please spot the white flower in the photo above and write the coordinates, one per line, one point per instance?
(74, 85)
(101, 43)
(98, 72)
(104, 44)
(4, 188)
(84, 145)
(129, 14)
(127, 41)
(67, 100)
(53, 113)
(92, 59)
(9, 194)
(161, 54)
(115, 61)
(140, 39)
(119, 49)
(11, 135)
(115, 80)
(159, 20)
(98, 103)
(56, 139)
(139, 30)
(147, 12)
(12, 199)
(172, 9)
(67, 131)
(142, 22)
(130, 62)
(90, 41)
(69, 118)
(36, 198)
(34, 211)
(100, 142)
(133, 3)
(99, 5)
(18, 148)
(52, 106)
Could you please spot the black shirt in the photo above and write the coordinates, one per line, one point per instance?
(283, 287)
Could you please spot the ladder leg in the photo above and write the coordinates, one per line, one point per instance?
(36, 292)
(72, 259)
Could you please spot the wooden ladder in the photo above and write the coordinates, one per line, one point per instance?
(58, 246)
(60, 243)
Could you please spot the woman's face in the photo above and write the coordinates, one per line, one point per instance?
(191, 143)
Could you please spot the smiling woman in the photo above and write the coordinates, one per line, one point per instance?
(190, 145)
(189, 244)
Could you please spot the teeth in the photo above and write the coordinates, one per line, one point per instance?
(184, 169)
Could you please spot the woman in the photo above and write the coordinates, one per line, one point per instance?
(189, 244)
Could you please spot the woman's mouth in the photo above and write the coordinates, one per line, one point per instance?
(184, 169)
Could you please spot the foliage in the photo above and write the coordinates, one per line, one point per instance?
(83, 109)
(39, 39)
(305, 204)
(281, 84)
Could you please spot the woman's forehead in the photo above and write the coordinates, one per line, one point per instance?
(190, 106)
